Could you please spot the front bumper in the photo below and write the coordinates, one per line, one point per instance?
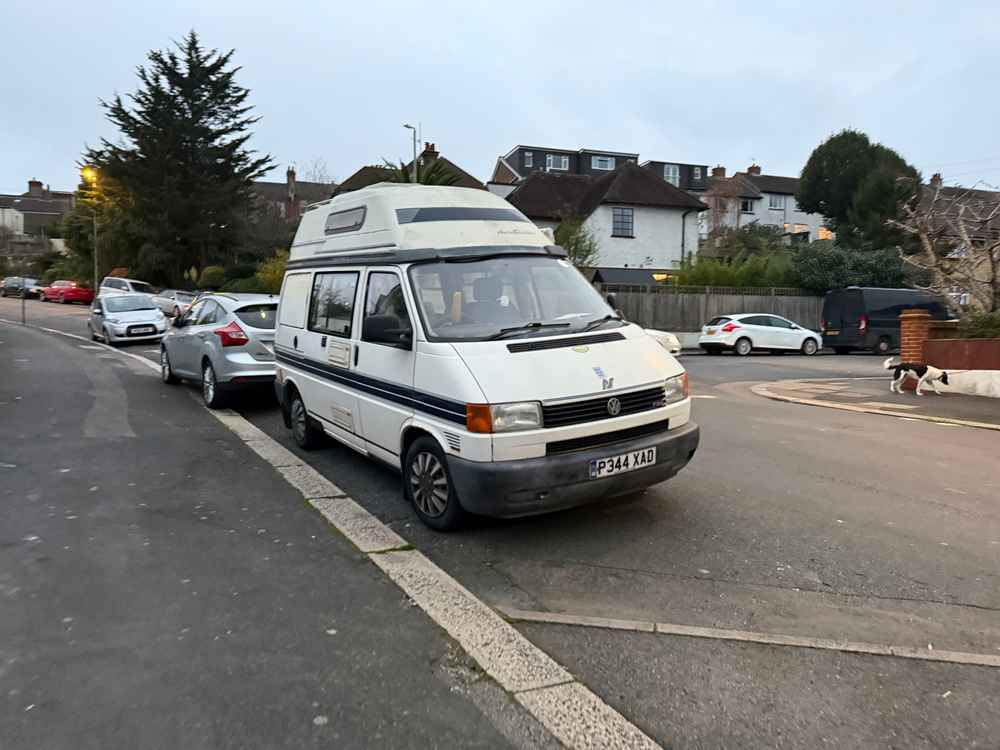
(525, 487)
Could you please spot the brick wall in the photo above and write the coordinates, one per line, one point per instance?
(914, 327)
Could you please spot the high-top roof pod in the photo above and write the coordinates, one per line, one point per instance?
(400, 217)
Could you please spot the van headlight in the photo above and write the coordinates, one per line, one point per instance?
(521, 415)
(676, 389)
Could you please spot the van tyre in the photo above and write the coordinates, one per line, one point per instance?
(428, 487)
(810, 347)
(211, 393)
(304, 432)
(884, 346)
(743, 347)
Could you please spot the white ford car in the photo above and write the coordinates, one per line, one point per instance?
(746, 332)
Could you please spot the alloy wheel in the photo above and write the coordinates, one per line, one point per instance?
(208, 384)
(428, 484)
(164, 366)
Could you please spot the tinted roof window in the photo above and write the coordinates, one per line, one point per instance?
(258, 316)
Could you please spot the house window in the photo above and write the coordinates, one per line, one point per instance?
(602, 162)
(672, 174)
(622, 222)
(558, 162)
(697, 173)
(746, 205)
(776, 202)
(824, 234)
(801, 229)
(529, 159)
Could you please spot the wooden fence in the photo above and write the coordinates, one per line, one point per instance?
(687, 308)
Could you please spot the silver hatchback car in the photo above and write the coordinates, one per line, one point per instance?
(223, 341)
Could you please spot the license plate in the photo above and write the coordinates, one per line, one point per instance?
(832, 333)
(710, 332)
(143, 329)
(606, 467)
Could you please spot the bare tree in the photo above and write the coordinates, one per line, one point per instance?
(317, 171)
(956, 234)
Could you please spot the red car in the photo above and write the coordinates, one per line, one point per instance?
(66, 292)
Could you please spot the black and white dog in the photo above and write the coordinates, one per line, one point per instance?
(923, 374)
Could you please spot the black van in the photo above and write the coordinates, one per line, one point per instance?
(868, 317)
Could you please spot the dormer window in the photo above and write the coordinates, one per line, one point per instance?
(605, 163)
(672, 174)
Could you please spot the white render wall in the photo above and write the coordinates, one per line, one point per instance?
(769, 217)
(12, 219)
(657, 241)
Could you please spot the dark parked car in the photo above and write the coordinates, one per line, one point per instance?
(868, 317)
(16, 286)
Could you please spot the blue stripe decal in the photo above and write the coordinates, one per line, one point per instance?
(453, 411)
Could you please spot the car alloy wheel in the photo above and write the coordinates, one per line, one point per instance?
(428, 484)
(166, 372)
(809, 347)
(743, 347)
(62, 299)
(209, 387)
(884, 346)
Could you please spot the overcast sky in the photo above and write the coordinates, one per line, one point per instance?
(706, 82)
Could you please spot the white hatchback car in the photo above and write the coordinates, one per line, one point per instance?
(746, 332)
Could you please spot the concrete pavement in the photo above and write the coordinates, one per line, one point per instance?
(160, 586)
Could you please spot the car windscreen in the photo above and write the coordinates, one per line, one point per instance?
(718, 321)
(185, 297)
(127, 304)
(143, 287)
(258, 316)
(478, 300)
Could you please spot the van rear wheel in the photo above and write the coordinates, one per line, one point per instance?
(304, 433)
(884, 345)
(427, 485)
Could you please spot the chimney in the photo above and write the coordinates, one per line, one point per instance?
(35, 188)
(753, 169)
(290, 181)
(936, 180)
(719, 172)
(430, 152)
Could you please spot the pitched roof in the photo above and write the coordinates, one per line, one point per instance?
(368, 175)
(373, 174)
(550, 196)
(736, 186)
(25, 205)
(504, 172)
(770, 183)
(310, 192)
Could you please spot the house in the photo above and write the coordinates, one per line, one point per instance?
(753, 198)
(638, 219)
(372, 174)
(289, 199)
(10, 218)
(694, 178)
(522, 161)
(40, 208)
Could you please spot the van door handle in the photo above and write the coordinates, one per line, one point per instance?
(322, 341)
(295, 342)
(356, 350)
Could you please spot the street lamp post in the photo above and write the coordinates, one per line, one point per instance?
(90, 177)
(413, 169)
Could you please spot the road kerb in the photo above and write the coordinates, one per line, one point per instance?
(761, 389)
(749, 636)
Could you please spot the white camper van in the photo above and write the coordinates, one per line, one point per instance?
(440, 331)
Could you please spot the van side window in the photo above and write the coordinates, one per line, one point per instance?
(331, 308)
(384, 296)
(294, 300)
(345, 221)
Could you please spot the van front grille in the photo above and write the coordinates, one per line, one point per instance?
(606, 438)
(593, 409)
(534, 346)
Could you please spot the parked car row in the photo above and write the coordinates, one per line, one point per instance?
(20, 286)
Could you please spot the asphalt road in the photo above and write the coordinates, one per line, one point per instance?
(792, 520)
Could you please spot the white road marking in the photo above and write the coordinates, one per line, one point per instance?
(748, 636)
(91, 347)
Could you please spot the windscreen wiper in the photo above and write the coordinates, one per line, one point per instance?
(599, 321)
(535, 325)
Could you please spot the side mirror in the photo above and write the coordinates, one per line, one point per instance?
(97, 311)
(612, 302)
(389, 330)
(180, 321)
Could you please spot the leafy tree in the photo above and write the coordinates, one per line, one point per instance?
(434, 173)
(212, 277)
(180, 175)
(754, 239)
(858, 186)
(271, 272)
(581, 247)
(982, 325)
(742, 271)
(823, 265)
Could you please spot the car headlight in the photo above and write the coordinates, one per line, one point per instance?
(676, 389)
(114, 321)
(522, 415)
